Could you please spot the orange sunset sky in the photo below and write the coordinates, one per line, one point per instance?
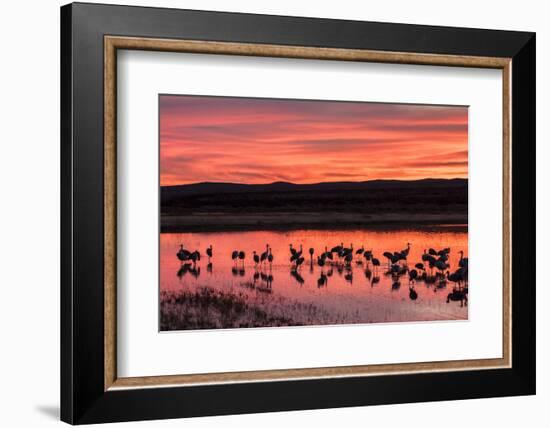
(252, 140)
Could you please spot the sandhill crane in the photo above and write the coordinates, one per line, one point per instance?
(375, 263)
(406, 250)
(463, 262)
(209, 252)
(444, 257)
(194, 257)
(242, 256)
(292, 250)
(183, 254)
(348, 258)
(298, 262)
(444, 251)
(395, 269)
(311, 251)
(368, 256)
(389, 256)
(359, 253)
(264, 255)
(256, 258)
(458, 296)
(455, 277)
(235, 256)
(413, 295)
(441, 266)
(270, 257)
(413, 274)
(296, 254)
(337, 249)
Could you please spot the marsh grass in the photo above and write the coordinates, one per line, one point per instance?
(209, 308)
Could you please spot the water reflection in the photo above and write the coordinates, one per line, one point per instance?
(190, 268)
(378, 276)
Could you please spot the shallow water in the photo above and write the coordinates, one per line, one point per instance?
(355, 294)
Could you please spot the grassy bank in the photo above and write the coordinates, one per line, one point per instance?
(212, 222)
(207, 308)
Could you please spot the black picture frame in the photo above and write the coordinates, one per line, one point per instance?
(83, 398)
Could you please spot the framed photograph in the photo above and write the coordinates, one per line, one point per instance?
(265, 213)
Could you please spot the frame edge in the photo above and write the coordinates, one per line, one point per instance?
(66, 316)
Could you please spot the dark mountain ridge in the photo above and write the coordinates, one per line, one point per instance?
(169, 193)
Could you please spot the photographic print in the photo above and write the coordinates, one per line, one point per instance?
(291, 212)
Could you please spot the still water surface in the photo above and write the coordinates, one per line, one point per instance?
(355, 294)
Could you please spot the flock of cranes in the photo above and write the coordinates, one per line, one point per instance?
(433, 268)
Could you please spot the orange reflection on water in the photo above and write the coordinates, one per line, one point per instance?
(355, 295)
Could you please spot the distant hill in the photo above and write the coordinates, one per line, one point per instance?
(169, 193)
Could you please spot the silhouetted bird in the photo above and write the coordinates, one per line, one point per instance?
(458, 296)
(183, 254)
(242, 256)
(389, 256)
(209, 252)
(368, 255)
(441, 265)
(455, 277)
(375, 263)
(337, 249)
(264, 255)
(348, 258)
(463, 262)
(195, 256)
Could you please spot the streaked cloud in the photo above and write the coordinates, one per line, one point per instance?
(250, 140)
